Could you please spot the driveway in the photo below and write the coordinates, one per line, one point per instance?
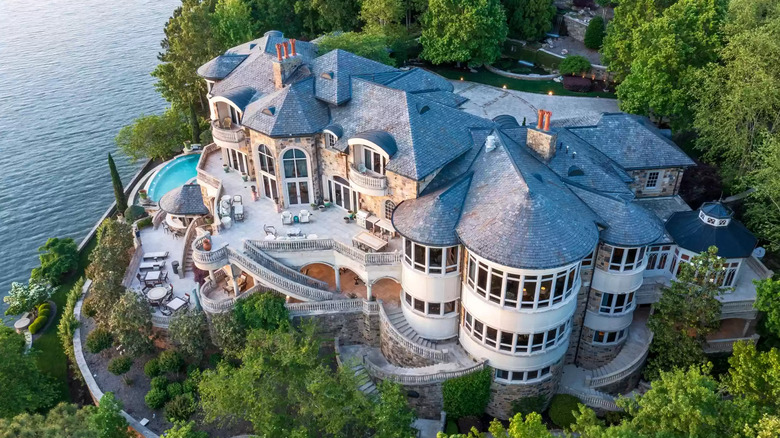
(487, 101)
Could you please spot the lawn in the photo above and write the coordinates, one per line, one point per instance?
(52, 359)
(483, 76)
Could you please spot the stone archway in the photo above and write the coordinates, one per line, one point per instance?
(323, 272)
(388, 290)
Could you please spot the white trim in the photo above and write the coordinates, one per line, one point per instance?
(307, 179)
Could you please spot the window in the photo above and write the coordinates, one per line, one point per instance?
(389, 208)
(515, 343)
(434, 308)
(429, 308)
(330, 140)
(616, 303)
(657, 256)
(609, 337)
(588, 261)
(295, 166)
(522, 376)
(373, 160)
(419, 305)
(626, 259)
(266, 160)
(431, 259)
(652, 180)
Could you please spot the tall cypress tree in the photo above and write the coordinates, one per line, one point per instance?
(119, 189)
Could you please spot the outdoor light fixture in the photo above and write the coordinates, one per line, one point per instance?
(549, 93)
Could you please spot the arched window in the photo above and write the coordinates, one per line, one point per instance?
(389, 207)
(266, 160)
(294, 161)
(296, 177)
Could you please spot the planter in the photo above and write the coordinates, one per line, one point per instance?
(346, 219)
(142, 194)
(225, 168)
(244, 176)
(321, 208)
(207, 245)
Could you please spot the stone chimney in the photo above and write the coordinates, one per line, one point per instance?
(540, 139)
(287, 60)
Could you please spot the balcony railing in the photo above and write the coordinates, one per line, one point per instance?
(726, 345)
(234, 134)
(423, 378)
(362, 257)
(368, 179)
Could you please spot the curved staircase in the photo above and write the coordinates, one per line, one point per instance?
(398, 320)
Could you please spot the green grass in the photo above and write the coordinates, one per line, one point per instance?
(52, 359)
(483, 76)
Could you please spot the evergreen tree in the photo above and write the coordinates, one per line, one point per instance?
(529, 19)
(119, 189)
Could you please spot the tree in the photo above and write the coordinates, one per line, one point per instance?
(574, 65)
(263, 311)
(532, 427)
(58, 257)
(685, 314)
(131, 323)
(619, 46)
(281, 15)
(329, 15)
(594, 34)
(25, 388)
(392, 416)
(228, 334)
(23, 297)
(188, 331)
(667, 54)
(755, 376)
(768, 301)
(183, 429)
(119, 189)
(529, 19)
(108, 263)
(368, 45)
(232, 23)
(379, 13)
(62, 421)
(155, 136)
(108, 421)
(463, 31)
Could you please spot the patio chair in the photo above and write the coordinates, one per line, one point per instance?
(186, 298)
(227, 123)
(287, 218)
(269, 230)
(305, 216)
(237, 199)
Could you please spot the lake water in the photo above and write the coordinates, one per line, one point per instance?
(72, 73)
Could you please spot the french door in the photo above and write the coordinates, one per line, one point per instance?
(341, 194)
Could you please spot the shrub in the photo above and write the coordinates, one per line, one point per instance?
(144, 223)
(180, 408)
(98, 340)
(152, 368)
(215, 359)
(120, 365)
(44, 306)
(574, 65)
(576, 83)
(594, 34)
(170, 361)
(467, 395)
(174, 389)
(262, 311)
(45, 313)
(189, 385)
(526, 405)
(88, 308)
(160, 383)
(68, 323)
(134, 212)
(156, 398)
(58, 257)
(562, 410)
(37, 324)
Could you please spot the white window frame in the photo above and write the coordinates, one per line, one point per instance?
(330, 140)
(425, 266)
(658, 257)
(619, 336)
(523, 344)
(411, 302)
(612, 308)
(365, 149)
(624, 264)
(655, 176)
(521, 377)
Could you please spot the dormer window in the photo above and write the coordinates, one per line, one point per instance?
(373, 160)
(330, 140)
(652, 180)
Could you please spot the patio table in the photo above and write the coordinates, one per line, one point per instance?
(369, 240)
(151, 265)
(22, 324)
(152, 276)
(157, 293)
(175, 304)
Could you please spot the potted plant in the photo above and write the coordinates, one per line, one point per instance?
(207, 244)
(226, 168)
(142, 194)
(321, 207)
(327, 204)
(187, 146)
(244, 176)
(347, 219)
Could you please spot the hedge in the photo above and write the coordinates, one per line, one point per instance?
(144, 223)
(170, 361)
(467, 395)
(98, 340)
(594, 34)
(46, 313)
(38, 324)
(562, 410)
(156, 398)
(120, 365)
(526, 405)
(44, 306)
(160, 383)
(152, 368)
(68, 322)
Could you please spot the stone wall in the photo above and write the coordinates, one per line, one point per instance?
(576, 325)
(426, 400)
(502, 394)
(624, 385)
(592, 356)
(668, 182)
(351, 328)
(576, 27)
(277, 147)
(397, 354)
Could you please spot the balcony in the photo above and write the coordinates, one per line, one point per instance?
(368, 182)
(232, 137)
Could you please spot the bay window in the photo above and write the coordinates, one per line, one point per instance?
(515, 343)
(616, 303)
(431, 259)
(429, 308)
(605, 338)
(522, 376)
(625, 259)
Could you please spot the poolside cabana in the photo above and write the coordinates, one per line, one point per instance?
(183, 205)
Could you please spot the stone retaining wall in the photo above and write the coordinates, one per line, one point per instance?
(350, 327)
(503, 394)
(429, 401)
(593, 356)
(625, 384)
(398, 355)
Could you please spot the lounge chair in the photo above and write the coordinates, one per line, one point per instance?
(269, 230)
(287, 218)
(305, 216)
(237, 199)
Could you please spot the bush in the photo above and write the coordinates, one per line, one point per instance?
(215, 359)
(576, 83)
(467, 395)
(98, 340)
(562, 410)
(180, 408)
(38, 324)
(594, 34)
(152, 368)
(189, 385)
(45, 313)
(88, 307)
(120, 365)
(44, 306)
(170, 361)
(134, 212)
(68, 323)
(156, 398)
(174, 389)
(144, 223)
(160, 383)
(526, 405)
(574, 65)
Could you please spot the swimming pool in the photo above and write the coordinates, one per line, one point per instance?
(174, 174)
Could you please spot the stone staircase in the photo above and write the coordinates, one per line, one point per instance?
(398, 320)
(365, 384)
(260, 257)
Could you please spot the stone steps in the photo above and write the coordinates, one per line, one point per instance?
(398, 320)
(638, 342)
(364, 382)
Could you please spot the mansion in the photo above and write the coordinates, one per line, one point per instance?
(431, 242)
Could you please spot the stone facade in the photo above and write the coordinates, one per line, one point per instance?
(542, 142)
(351, 328)
(426, 400)
(625, 384)
(668, 182)
(503, 394)
(592, 356)
(398, 355)
(576, 325)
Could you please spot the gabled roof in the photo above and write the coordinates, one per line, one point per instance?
(633, 142)
(186, 200)
(333, 72)
(221, 66)
(291, 111)
(443, 206)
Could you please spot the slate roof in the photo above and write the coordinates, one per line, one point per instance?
(443, 206)
(443, 97)
(186, 200)
(382, 139)
(633, 142)
(716, 210)
(342, 65)
(221, 66)
(628, 223)
(291, 111)
(693, 234)
(418, 80)
(240, 96)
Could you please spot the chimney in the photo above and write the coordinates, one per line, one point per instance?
(286, 54)
(285, 63)
(292, 44)
(279, 52)
(540, 139)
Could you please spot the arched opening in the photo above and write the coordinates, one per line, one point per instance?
(297, 181)
(388, 290)
(322, 272)
(389, 207)
(267, 173)
(351, 284)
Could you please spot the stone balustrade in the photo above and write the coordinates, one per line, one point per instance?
(727, 345)
(368, 182)
(362, 257)
(203, 176)
(323, 307)
(407, 378)
(208, 260)
(233, 136)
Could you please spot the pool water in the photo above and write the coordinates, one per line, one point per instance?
(174, 174)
